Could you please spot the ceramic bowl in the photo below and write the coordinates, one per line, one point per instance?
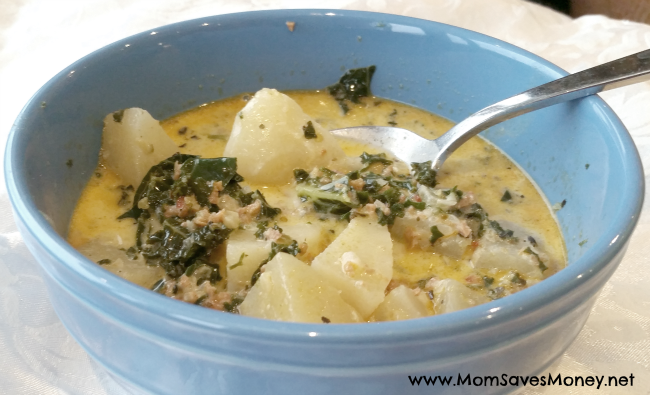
(158, 345)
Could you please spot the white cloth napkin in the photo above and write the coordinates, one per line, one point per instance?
(38, 38)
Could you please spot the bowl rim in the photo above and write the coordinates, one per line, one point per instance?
(588, 266)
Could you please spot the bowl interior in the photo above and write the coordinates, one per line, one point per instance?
(578, 152)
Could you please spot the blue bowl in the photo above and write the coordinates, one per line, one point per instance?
(163, 346)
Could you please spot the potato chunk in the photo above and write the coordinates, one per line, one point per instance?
(495, 253)
(450, 295)
(401, 304)
(272, 136)
(117, 262)
(244, 254)
(453, 246)
(290, 290)
(359, 263)
(133, 142)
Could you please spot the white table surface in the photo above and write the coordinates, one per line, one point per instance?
(38, 38)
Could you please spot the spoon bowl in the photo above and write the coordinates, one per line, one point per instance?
(410, 147)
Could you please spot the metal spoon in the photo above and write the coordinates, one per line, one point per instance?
(410, 147)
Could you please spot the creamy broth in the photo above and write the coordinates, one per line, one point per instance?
(499, 185)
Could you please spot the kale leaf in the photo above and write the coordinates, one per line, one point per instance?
(267, 211)
(424, 174)
(369, 159)
(352, 86)
(176, 248)
(244, 199)
(331, 206)
(198, 173)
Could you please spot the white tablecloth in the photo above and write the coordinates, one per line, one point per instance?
(38, 38)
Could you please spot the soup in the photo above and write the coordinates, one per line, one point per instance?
(302, 227)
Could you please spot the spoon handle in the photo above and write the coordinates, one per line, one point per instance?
(620, 72)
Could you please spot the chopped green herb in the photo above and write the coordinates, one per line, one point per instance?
(310, 132)
(240, 262)
(104, 261)
(506, 196)
(416, 205)
(125, 196)
(69, 163)
(435, 234)
(217, 137)
(325, 320)
(516, 279)
(532, 241)
(496, 293)
(583, 242)
(233, 305)
(300, 175)
(587, 166)
(132, 253)
(476, 217)
(540, 264)
(118, 115)
(453, 190)
(487, 281)
(505, 234)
